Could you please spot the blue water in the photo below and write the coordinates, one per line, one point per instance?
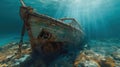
(99, 18)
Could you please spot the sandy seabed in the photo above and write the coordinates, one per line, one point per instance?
(101, 53)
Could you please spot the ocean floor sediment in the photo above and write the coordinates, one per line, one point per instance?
(102, 53)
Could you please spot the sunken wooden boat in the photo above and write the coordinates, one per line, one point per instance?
(49, 36)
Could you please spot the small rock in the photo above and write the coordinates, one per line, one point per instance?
(90, 64)
(17, 64)
(22, 59)
(24, 46)
(9, 57)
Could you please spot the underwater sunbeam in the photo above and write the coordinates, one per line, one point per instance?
(90, 13)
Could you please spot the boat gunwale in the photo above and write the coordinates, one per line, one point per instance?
(52, 19)
(36, 14)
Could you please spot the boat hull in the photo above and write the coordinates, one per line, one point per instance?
(49, 36)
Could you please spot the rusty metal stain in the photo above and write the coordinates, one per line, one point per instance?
(49, 40)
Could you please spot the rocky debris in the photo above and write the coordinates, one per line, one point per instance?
(9, 56)
(96, 56)
(116, 55)
(25, 45)
(3, 65)
(89, 63)
(107, 47)
(32, 62)
(17, 62)
(108, 62)
(22, 59)
(92, 59)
